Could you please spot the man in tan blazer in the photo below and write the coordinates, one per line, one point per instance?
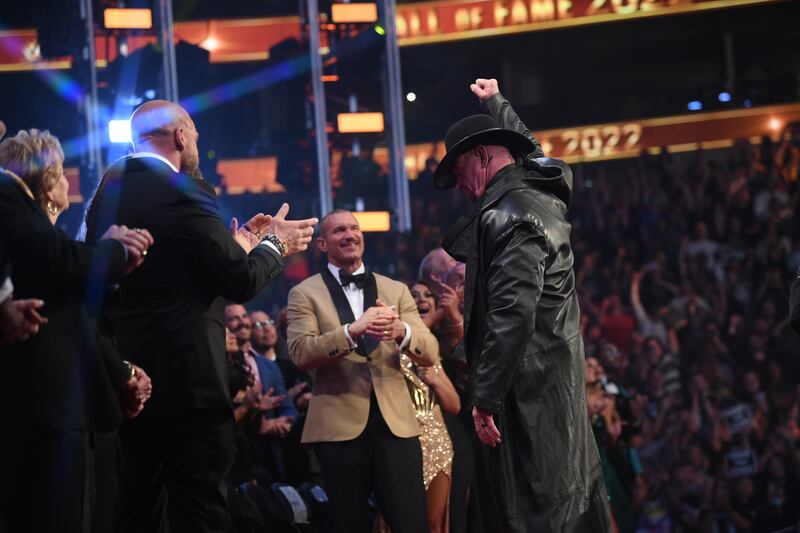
(350, 325)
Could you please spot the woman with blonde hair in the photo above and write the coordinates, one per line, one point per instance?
(68, 391)
(37, 159)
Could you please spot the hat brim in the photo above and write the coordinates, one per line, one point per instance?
(519, 145)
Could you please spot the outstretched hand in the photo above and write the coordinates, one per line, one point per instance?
(484, 89)
(485, 427)
(294, 234)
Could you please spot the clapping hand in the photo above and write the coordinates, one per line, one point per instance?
(268, 402)
(449, 302)
(243, 237)
(135, 240)
(276, 427)
(484, 89)
(295, 235)
(386, 326)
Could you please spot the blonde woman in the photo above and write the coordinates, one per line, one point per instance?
(69, 393)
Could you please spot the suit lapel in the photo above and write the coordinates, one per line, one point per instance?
(364, 345)
(338, 297)
(370, 295)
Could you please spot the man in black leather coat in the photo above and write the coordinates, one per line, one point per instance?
(540, 469)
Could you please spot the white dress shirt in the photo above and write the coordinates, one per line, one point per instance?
(355, 297)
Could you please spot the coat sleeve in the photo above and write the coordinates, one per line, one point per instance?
(514, 281)
(47, 257)
(423, 348)
(308, 347)
(794, 305)
(499, 108)
(210, 249)
(286, 408)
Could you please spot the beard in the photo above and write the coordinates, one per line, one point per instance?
(190, 165)
(261, 346)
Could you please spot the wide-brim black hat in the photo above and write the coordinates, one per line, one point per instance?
(472, 131)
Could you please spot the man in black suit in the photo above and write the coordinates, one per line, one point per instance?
(171, 319)
(794, 305)
(52, 384)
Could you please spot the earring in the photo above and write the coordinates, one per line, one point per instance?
(51, 208)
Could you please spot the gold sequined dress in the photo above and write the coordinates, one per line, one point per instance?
(437, 449)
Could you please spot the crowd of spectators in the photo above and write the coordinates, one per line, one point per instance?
(683, 264)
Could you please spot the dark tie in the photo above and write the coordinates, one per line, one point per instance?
(346, 279)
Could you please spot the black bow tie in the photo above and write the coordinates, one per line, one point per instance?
(346, 279)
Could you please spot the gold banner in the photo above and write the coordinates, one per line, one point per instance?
(630, 138)
(451, 20)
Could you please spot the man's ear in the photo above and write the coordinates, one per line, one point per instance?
(180, 139)
(322, 244)
(483, 154)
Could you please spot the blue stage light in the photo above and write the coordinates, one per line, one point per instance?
(695, 105)
(119, 131)
(724, 96)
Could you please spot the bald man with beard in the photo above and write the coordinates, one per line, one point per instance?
(171, 319)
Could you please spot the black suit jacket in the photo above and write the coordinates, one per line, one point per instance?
(171, 309)
(54, 380)
(794, 305)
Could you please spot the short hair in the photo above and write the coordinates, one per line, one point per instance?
(434, 261)
(36, 157)
(330, 213)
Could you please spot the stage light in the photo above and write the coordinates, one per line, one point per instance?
(150, 94)
(379, 29)
(359, 122)
(695, 105)
(210, 44)
(774, 123)
(354, 12)
(119, 131)
(724, 96)
(411, 97)
(373, 220)
(127, 19)
(748, 104)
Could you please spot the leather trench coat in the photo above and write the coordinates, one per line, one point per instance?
(524, 348)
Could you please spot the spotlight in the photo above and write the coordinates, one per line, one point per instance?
(695, 105)
(775, 124)
(119, 131)
(150, 94)
(210, 44)
(380, 30)
(724, 96)
(411, 97)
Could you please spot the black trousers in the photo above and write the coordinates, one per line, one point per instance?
(375, 461)
(46, 482)
(173, 472)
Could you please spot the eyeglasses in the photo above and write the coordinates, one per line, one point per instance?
(258, 324)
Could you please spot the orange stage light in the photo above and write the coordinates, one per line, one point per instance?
(355, 12)
(360, 122)
(373, 220)
(127, 19)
